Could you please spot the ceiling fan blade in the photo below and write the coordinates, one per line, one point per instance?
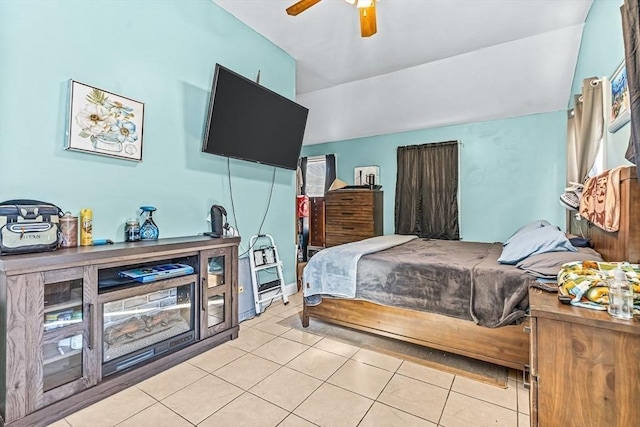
(368, 26)
(301, 6)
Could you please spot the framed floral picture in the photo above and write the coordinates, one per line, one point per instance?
(104, 123)
(620, 112)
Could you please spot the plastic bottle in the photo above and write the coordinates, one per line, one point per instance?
(620, 296)
(149, 230)
(86, 219)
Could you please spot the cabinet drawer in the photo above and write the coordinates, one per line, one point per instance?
(339, 239)
(350, 213)
(342, 239)
(349, 227)
(349, 198)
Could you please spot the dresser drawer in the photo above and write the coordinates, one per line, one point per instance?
(349, 228)
(350, 213)
(341, 240)
(349, 198)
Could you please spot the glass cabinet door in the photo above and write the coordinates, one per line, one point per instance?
(216, 292)
(63, 329)
(64, 346)
(216, 269)
(216, 310)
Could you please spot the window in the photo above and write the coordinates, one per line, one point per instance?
(316, 176)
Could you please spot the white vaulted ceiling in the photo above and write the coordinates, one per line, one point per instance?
(431, 63)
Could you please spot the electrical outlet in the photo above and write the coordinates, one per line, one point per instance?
(240, 289)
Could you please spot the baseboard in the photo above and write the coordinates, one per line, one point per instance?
(249, 314)
(291, 288)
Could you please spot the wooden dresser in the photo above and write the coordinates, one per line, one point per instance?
(352, 215)
(585, 366)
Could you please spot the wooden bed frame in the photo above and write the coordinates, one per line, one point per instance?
(506, 346)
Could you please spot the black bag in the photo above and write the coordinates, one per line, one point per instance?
(28, 226)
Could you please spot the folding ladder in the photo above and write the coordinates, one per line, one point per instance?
(266, 272)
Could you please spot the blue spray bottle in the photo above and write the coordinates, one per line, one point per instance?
(149, 230)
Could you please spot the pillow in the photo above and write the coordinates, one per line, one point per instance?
(535, 241)
(531, 226)
(580, 242)
(548, 264)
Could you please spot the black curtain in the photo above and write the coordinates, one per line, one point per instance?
(330, 173)
(302, 164)
(631, 35)
(427, 191)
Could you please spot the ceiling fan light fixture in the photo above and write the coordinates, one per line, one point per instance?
(368, 25)
(300, 7)
(366, 10)
(364, 3)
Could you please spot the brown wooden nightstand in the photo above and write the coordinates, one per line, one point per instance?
(584, 357)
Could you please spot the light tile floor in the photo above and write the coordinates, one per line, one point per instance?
(275, 376)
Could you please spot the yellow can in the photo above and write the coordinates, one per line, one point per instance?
(86, 218)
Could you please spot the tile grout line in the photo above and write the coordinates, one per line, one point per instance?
(176, 413)
(445, 401)
(220, 367)
(295, 370)
(133, 415)
(248, 390)
(217, 377)
(310, 394)
(395, 372)
(375, 400)
(486, 401)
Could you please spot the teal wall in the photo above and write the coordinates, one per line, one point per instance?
(601, 52)
(511, 171)
(161, 53)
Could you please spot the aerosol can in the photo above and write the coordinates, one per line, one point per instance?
(149, 230)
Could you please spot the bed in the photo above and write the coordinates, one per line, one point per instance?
(439, 327)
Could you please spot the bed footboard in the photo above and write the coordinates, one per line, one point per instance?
(506, 346)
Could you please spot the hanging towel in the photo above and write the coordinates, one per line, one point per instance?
(600, 203)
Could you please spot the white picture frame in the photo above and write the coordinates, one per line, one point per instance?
(360, 174)
(619, 102)
(104, 123)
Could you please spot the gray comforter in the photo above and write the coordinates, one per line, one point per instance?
(333, 271)
(453, 278)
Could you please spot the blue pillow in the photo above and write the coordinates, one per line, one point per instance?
(531, 226)
(535, 241)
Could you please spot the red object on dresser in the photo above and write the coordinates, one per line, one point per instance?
(303, 206)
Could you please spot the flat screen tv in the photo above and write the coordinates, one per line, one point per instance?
(250, 122)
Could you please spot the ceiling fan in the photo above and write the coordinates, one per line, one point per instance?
(367, 9)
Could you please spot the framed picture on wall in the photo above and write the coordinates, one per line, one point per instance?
(619, 112)
(104, 123)
(361, 175)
